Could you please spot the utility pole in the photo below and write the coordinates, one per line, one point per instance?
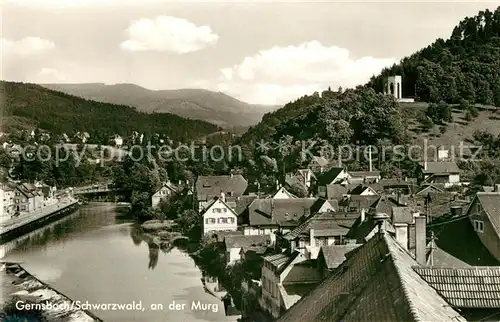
(370, 158)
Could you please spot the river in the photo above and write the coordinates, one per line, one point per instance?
(97, 255)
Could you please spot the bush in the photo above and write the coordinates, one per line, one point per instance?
(474, 112)
(427, 124)
(464, 104)
(442, 129)
(468, 116)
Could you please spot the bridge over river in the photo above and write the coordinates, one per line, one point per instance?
(100, 192)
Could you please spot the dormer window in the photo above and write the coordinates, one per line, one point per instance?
(479, 226)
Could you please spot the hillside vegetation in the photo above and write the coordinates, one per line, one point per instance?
(29, 106)
(465, 66)
(199, 104)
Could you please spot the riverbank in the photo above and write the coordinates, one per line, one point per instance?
(25, 219)
(26, 290)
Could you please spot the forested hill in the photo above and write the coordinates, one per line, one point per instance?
(355, 115)
(466, 66)
(29, 106)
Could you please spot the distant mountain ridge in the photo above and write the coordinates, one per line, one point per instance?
(198, 104)
(30, 106)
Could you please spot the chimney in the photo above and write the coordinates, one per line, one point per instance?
(311, 237)
(402, 234)
(363, 216)
(277, 184)
(420, 240)
(497, 187)
(425, 163)
(222, 196)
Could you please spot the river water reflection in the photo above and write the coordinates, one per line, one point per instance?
(98, 256)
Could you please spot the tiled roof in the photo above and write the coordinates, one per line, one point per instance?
(402, 215)
(490, 201)
(428, 188)
(237, 241)
(377, 283)
(334, 255)
(440, 167)
(364, 174)
(291, 181)
(474, 287)
(362, 202)
(336, 191)
(277, 260)
(212, 202)
(394, 183)
(328, 177)
(274, 211)
(242, 204)
(324, 224)
(208, 187)
(221, 235)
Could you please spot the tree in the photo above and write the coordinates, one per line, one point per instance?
(445, 112)
(474, 112)
(464, 104)
(298, 189)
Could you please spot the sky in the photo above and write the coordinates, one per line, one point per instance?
(261, 52)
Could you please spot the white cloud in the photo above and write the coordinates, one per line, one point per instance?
(25, 46)
(281, 74)
(83, 3)
(50, 75)
(165, 33)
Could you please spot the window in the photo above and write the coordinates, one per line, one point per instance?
(224, 209)
(207, 221)
(218, 210)
(479, 226)
(213, 210)
(230, 220)
(222, 220)
(302, 243)
(322, 241)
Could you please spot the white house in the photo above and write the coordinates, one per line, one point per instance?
(282, 193)
(446, 173)
(163, 193)
(323, 229)
(6, 201)
(218, 216)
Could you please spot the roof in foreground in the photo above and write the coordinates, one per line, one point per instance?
(471, 287)
(377, 283)
(334, 255)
